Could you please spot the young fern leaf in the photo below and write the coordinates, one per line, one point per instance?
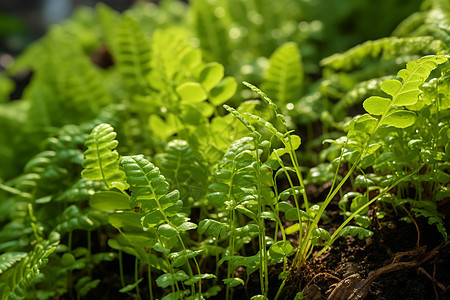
(283, 79)
(150, 192)
(101, 160)
(403, 94)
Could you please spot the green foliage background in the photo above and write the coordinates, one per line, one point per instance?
(127, 128)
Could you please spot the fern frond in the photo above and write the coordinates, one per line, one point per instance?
(389, 47)
(72, 219)
(404, 94)
(65, 83)
(180, 165)
(81, 190)
(283, 79)
(211, 30)
(101, 160)
(213, 228)
(410, 24)
(356, 95)
(234, 177)
(172, 55)
(7, 260)
(109, 20)
(14, 281)
(150, 191)
(433, 21)
(132, 55)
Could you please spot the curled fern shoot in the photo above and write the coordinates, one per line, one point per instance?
(101, 160)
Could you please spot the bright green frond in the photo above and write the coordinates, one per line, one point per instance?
(101, 160)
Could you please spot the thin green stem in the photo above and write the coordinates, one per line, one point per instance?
(384, 191)
(136, 276)
(69, 242)
(264, 278)
(280, 289)
(191, 273)
(291, 184)
(69, 274)
(229, 292)
(89, 244)
(149, 275)
(122, 279)
(296, 166)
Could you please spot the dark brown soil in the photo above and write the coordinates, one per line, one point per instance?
(348, 256)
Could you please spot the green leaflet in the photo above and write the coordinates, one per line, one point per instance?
(233, 282)
(362, 233)
(376, 105)
(196, 278)
(281, 249)
(211, 75)
(181, 257)
(168, 279)
(283, 79)
(130, 286)
(223, 91)
(400, 119)
(109, 200)
(191, 92)
(101, 160)
(405, 93)
(150, 192)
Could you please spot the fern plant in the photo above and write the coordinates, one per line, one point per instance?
(219, 197)
(17, 278)
(102, 160)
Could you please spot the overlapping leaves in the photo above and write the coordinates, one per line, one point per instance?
(150, 192)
